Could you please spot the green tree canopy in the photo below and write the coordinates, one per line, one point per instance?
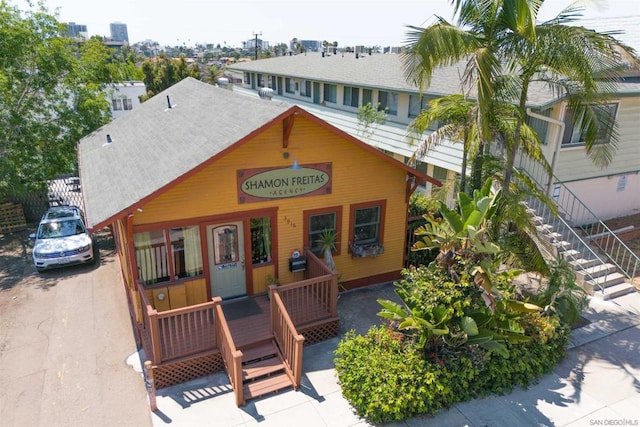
(163, 72)
(50, 96)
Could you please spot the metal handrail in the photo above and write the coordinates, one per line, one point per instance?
(581, 216)
(564, 229)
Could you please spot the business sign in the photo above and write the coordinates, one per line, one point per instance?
(258, 185)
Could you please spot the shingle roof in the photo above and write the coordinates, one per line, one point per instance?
(380, 71)
(154, 145)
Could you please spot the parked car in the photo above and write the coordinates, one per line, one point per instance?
(62, 239)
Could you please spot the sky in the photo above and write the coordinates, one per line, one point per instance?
(349, 22)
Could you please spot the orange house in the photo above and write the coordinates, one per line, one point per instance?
(212, 196)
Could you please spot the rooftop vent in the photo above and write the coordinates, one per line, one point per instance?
(265, 93)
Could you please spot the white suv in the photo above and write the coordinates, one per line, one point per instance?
(62, 239)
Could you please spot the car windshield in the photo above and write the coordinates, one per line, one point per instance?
(50, 230)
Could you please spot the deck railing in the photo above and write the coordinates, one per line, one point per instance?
(289, 341)
(232, 357)
(179, 332)
(315, 266)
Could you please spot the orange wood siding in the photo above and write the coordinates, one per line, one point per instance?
(357, 176)
(260, 278)
(196, 291)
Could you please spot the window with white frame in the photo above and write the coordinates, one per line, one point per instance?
(351, 96)
(305, 88)
(367, 96)
(330, 93)
(575, 135)
(388, 101)
(120, 104)
(418, 103)
(290, 85)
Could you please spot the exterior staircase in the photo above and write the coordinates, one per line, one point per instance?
(605, 267)
(263, 370)
(556, 238)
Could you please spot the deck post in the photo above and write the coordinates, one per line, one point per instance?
(154, 332)
(151, 388)
(333, 296)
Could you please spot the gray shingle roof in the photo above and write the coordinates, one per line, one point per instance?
(380, 71)
(154, 145)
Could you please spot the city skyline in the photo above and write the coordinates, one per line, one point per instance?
(349, 22)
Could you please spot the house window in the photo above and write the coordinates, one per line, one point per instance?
(317, 221)
(574, 135)
(367, 221)
(247, 78)
(351, 96)
(388, 101)
(186, 253)
(289, 85)
(156, 264)
(367, 96)
(305, 88)
(260, 240)
(121, 104)
(330, 93)
(151, 257)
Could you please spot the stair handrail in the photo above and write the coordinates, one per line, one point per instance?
(289, 341)
(231, 356)
(572, 233)
(632, 260)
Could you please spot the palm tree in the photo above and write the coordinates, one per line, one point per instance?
(506, 51)
(459, 115)
(463, 122)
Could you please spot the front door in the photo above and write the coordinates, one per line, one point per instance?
(226, 260)
(316, 93)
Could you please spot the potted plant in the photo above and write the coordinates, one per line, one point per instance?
(328, 241)
(271, 280)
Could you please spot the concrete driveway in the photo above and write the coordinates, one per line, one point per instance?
(65, 337)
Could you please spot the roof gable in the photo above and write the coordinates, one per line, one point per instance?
(171, 136)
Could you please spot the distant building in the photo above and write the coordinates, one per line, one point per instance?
(76, 30)
(124, 97)
(309, 45)
(392, 49)
(119, 32)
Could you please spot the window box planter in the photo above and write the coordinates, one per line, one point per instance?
(361, 250)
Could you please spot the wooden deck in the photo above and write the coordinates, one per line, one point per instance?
(249, 320)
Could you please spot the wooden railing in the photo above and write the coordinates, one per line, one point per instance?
(315, 266)
(287, 337)
(179, 332)
(232, 357)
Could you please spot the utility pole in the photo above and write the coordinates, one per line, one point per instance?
(256, 42)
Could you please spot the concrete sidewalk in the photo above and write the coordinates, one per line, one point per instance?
(597, 384)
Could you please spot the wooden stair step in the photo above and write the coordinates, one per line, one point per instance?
(261, 368)
(267, 385)
(262, 351)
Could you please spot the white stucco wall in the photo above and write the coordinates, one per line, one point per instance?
(609, 197)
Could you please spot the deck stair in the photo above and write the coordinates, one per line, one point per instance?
(263, 370)
(556, 238)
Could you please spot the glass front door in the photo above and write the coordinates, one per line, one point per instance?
(227, 260)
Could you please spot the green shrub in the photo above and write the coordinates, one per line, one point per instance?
(385, 378)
